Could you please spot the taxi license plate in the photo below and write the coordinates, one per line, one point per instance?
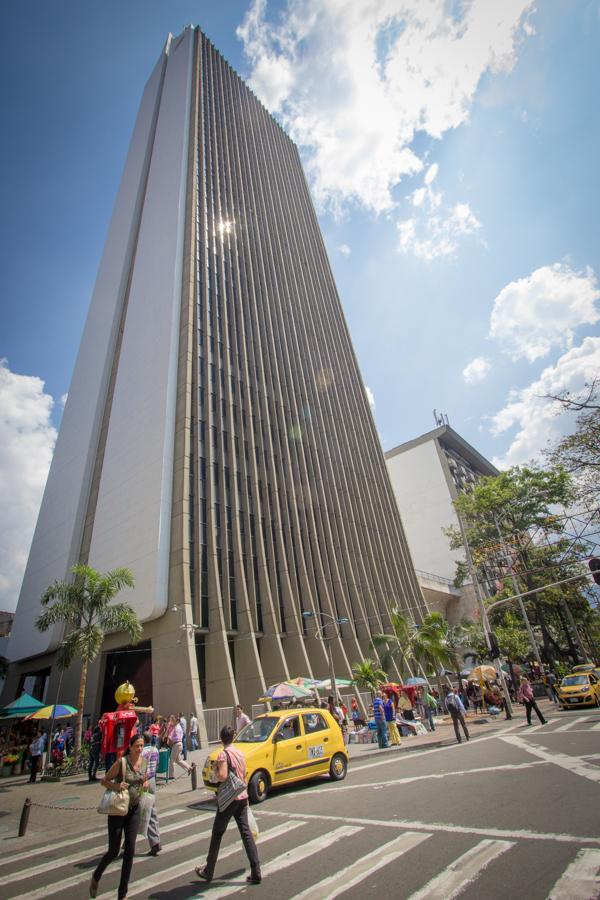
(572, 699)
(316, 752)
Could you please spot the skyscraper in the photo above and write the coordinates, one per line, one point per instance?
(217, 438)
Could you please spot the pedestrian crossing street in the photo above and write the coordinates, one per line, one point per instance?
(306, 857)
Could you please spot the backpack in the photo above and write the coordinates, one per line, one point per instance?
(451, 704)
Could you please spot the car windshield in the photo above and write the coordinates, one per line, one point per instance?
(257, 731)
(571, 680)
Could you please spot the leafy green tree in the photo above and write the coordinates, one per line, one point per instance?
(579, 453)
(424, 646)
(85, 607)
(368, 674)
(518, 502)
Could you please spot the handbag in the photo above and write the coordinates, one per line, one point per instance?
(229, 789)
(115, 803)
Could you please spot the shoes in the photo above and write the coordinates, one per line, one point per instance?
(253, 879)
(154, 851)
(94, 887)
(202, 873)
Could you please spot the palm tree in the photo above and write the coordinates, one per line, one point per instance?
(368, 674)
(84, 606)
(396, 647)
(432, 645)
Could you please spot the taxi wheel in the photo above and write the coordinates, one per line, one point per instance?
(338, 767)
(258, 787)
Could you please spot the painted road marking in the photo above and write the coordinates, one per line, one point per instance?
(39, 893)
(187, 868)
(409, 825)
(580, 881)
(284, 861)
(352, 875)
(569, 724)
(91, 835)
(574, 764)
(462, 872)
(411, 778)
(84, 856)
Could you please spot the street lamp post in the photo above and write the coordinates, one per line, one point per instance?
(320, 634)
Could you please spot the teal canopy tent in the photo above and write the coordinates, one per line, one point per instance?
(21, 707)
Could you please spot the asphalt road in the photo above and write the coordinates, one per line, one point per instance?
(510, 815)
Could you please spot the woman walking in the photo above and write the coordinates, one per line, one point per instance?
(230, 759)
(129, 773)
(525, 696)
(175, 742)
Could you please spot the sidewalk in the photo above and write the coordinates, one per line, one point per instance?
(68, 808)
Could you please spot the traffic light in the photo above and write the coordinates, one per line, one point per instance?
(594, 564)
(494, 648)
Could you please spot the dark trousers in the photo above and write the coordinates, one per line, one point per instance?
(117, 826)
(456, 718)
(93, 762)
(239, 811)
(529, 705)
(35, 764)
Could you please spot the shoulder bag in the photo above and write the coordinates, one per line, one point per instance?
(230, 789)
(115, 803)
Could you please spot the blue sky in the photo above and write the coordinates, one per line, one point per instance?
(452, 152)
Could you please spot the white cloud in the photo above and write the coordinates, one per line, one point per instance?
(344, 249)
(533, 416)
(27, 440)
(353, 82)
(437, 235)
(535, 314)
(370, 398)
(477, 370)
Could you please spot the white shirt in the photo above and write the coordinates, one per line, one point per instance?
(183, 723)
(193, 725)
(240, 721)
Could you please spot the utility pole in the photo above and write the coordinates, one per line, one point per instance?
(483, 613)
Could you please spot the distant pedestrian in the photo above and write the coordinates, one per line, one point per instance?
(230, 759)
(456, 711)
(356, 715)
(129, 773)
(390, 720)
(174, 735)
(240, 719)
(151, 755)
(194, 744)
(36, 751)
(94, 760)
(380, 723)
(430, 706)
(525, 695)
(551, 682)
(183, 723)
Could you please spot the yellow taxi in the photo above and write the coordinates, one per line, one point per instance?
(579, 689)
(285, 746)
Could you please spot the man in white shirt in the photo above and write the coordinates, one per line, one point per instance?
(193, 731)
(183, 723)
(241, 719)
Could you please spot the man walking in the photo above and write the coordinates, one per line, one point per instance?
(193, 731)
(151, 755)
(380, 723)
(36, 751)
(183, 723)
(455, 708)
(240, 719)
(94, 760)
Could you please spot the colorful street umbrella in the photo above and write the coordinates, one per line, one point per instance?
(21, 707)
(415, 681)
(56, 711)
(303, 681)
(285, 690)
(325, 684)
(483, 673)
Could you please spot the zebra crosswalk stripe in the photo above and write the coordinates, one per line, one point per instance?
(568, 725)
(334, 885)
(462, 871)
(285, 860)
(68, 842)
(187, 867)
(83, 855)
(580, 880)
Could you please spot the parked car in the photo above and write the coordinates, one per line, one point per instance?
(286, 746)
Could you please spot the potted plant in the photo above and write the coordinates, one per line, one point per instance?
(9, 764)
